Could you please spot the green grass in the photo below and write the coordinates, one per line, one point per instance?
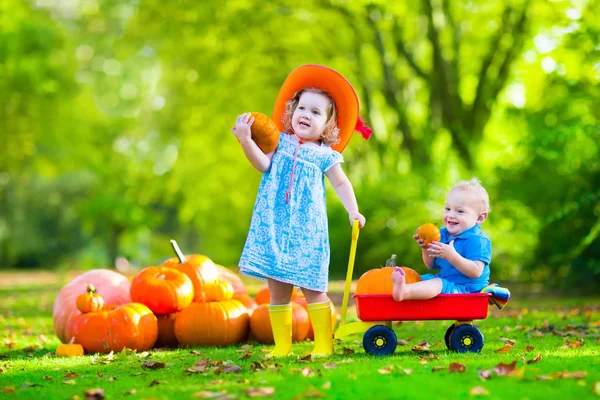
(28, 364)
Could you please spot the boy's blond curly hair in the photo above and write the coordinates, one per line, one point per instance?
(474, 185)
(331, 134)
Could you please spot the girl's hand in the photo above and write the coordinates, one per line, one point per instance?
(440, 250)
(356, 215)
(241, 129)
(420, 242)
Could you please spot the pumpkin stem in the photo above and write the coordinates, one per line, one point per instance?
(91, 288)
(391, 262)
(180, 255)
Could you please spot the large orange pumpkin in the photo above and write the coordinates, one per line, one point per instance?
(164, 290)
(227, 275)
(166, 331)
(248, 301)
(260, 324)
(112, 286)
(215, 323)
(131, 326)
(379, 280)
(264, 132)
(200, 269)
(264, 295)
(429, 233)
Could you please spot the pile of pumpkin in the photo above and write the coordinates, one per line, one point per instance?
(186, 301)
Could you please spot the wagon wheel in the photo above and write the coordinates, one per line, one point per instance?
(447, 336)
(380, 340)
(466, 338)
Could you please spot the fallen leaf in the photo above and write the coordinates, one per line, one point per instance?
(8, 389)
(347, 351)
(438, 368)
(232, 368)
(479, 391)
(330, 365)
(69, 382)
(246, 346)
(505, 369)
(401, 342)
(71, 375)
(386, 370)
(505, 349)
(205, 394)
(256, 365)
(535, 359)
(199, 366)
(47, 377)
(420, 349)
(155, 382)
(196, 352)
(144, 354)
(529, 349)
(307, 372)
(327, 385)
(457, 367)
(246, 355)
(112, 379)
(94, 394)
(574, 375)
(27, 384)
(131, 392)
(596, 388)
(313, 393)
(484, 374)
(152, 365)
(306, 358)
(260, 392)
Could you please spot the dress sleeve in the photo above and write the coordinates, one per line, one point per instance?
(332, 158)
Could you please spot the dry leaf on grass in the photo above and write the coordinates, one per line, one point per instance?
(386, 370)
(535, 359)
(505, 369)
(484, 374)
(260, 392)
(94, 394)
(71, 375)
(153, 365)
(330, 365)
(596, 388)
(457, 367)
(205, 394)
(438, 368)
(347, 351)
(131, 392)
(8, 389)
(505, 349)
(479, 391)
(529, 349)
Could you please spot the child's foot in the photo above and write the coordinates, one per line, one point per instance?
(399, 279)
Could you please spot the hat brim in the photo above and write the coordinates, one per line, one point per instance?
(324, 78)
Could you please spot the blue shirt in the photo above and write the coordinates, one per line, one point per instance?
(472, 245)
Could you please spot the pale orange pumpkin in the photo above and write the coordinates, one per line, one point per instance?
(428, 233)
(264, 132)
(227, 275)
(218, 291)
(166, 331)
(214, 323)
(89, 301)
(113, 286)
(264, 295)
(164, 290)
(260, 324)
(311, 333)
(247, 301)
(200, 269)
(131, 326)
(379, 280)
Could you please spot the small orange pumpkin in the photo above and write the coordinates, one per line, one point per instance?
(69, 350)
(200, 269)
(428, 233)
(164, 290)
(264, 295)
(214, 323)
(218, 291)
(379, 280)
(227, 275)
(260, 324)
(89, 301)
(264, 132)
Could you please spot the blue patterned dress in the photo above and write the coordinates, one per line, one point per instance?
(290, 242)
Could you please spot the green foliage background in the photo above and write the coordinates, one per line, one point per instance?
(115, 126)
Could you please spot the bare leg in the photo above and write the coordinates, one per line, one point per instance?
(281, 292)
(415, 291)
(314, 297)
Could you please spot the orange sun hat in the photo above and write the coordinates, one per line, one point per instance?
(338, 87)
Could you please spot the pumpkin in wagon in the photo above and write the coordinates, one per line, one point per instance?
(379, 280)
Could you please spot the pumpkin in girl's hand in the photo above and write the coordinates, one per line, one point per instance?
(218, 291)
(264, 295)
(264, 132)
(200, 269)
(227, 275)
(164, 290)
(113, 287)
(166, 331)
(131, 326)
(90, 300)
(428, 233)
(214, 323)
(379, 280)
(260, 324)
(69, 350)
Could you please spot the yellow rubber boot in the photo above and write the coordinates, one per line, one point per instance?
(281, 324)
(320, 317)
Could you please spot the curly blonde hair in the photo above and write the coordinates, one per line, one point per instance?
(474, 186)
(332, 135)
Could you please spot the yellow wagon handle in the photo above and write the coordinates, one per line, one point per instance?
(355, 229)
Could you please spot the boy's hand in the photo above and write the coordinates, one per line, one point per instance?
(241, 129)
(420, 242)
(441, 250)
(356, 215)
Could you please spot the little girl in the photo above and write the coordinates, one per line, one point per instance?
(288, 243)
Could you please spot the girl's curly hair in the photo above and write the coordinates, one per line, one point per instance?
(331, 134)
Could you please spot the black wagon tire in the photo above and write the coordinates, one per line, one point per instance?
(380, 340)
(447, 336)
(466, 338)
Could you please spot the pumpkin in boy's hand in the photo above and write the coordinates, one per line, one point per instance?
(163, 290)
(131, 326)
(264, 132)
(113, 287)
(379, 280)
(90, 300)
(428, 233)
